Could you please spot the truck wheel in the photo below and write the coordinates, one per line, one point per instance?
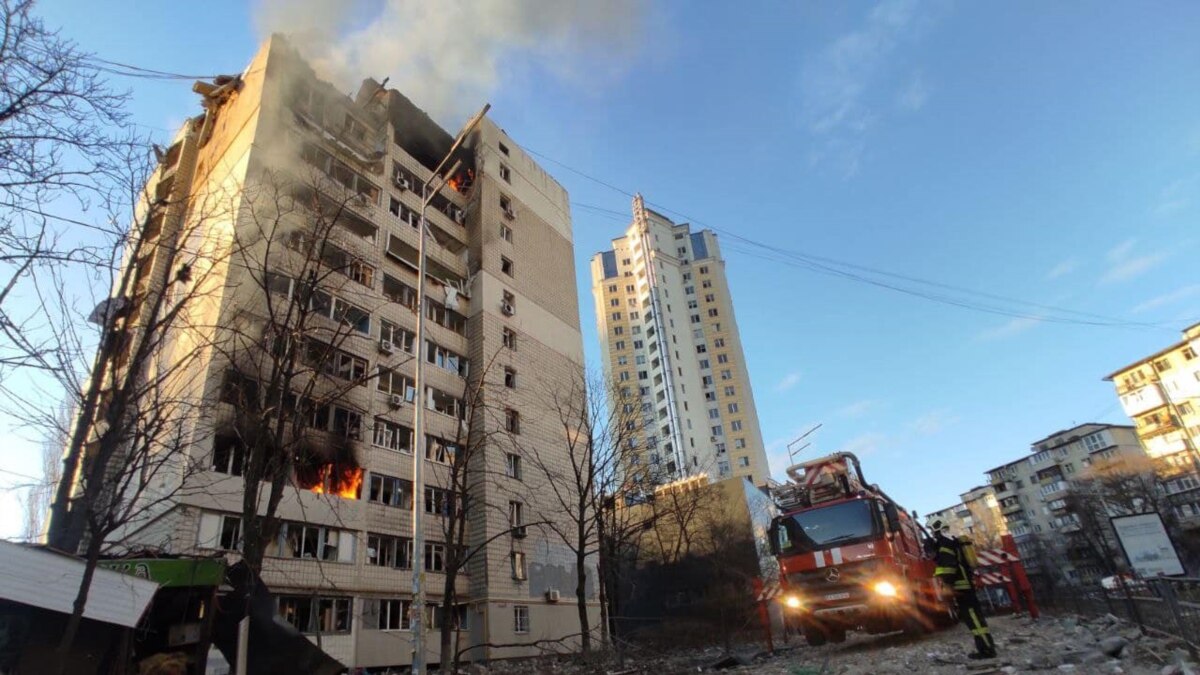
(837, 636)
(814, 636)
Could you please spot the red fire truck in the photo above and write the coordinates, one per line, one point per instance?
(850, 558)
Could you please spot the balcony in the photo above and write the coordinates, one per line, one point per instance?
(1012, 508)
(1054, 489)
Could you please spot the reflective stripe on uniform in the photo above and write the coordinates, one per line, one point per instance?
(941, 571)
(962, 585)
(977, 627)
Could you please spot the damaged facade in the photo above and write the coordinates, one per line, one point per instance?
(500, 300)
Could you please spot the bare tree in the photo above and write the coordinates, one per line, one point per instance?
(290, 379)
(588, 479)
(59, 137)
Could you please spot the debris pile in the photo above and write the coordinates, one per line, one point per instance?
(1102, 645)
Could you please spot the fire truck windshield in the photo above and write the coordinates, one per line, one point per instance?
(820, 528)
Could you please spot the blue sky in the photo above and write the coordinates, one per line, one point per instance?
(1048, 152)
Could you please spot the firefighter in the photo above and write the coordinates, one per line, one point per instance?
(954, 568)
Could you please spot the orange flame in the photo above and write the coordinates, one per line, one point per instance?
(345, 482)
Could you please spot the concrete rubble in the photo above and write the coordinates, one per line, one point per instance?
(1088, 646)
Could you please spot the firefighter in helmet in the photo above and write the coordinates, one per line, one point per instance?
(955, 560)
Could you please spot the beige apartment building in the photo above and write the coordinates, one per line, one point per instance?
(1161, 394)
(670, 341)
(1033, 495)
(977, 516)
(503, 319)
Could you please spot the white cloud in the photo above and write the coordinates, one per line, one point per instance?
(790, 380)
(1063, 268)
(1009, 328)
(857, 408)
(865, 443)
(1168, 298)
(933, 422)
(836, 83)
(1125, 265)
(915, 94)
(1177, 195)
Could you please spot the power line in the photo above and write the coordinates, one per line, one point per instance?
(974, 301)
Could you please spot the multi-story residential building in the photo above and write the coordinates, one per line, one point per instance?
(976, 517)
(664, 313)
(1161, 394)
(1033, 493)
(501, 297)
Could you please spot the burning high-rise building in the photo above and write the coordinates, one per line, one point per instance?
(276, 151)
(664, 313)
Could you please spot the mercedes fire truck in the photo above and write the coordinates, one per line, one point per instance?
(851, 558)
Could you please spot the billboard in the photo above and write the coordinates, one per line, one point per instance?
(1147, 547)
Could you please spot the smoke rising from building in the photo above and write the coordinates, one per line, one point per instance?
(450, 56)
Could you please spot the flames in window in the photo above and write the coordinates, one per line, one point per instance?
(329, 470)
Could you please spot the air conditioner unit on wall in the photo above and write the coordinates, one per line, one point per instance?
(386, 347)
(395, 400)
(553, 595)
(402, 183)
(511, 214)
(508, 309)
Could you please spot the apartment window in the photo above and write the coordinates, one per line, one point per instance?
(1162, 365)
(735, 425)
(393, 552)
(704, 269)
(712, 312)
(616, 316)
(520, 618)
(220, 531)
(440, 450)
(695, 318)
(313, 542)
(509, 338)
(390, 491)
(506, 266)
(516, 517)
(615, 302)
(347, 423)
(623, 376)
(393, 436)
(392, 382)
(1094, 442)
(707, 380)
(512, 421)
(441, 402)
(718, 431)
(622, 360)
(739, 443)
(730, 390)
(512, 466)
(618, 330)
(435, 557)
(689, 290)
(643, 375)
(637, 330)
(640, 359)
(437, 501)
(743, 461)
(445, 359)
(733, 407)
(445, 317)
(710, 396)
(1185, 408)
(315, 615)
(714, 414)
(726, 375)
(518, 565)
(229, 453)
(692, 304)
(393, 615)
(719, 342)
(1188, 353)
(700, 349)
(633, 315)
(706, 284)
(510, 378)
(505, 173)
(401, 339)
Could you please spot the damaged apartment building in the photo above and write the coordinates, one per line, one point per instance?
(502, 329)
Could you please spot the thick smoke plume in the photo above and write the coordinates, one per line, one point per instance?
(448, 56)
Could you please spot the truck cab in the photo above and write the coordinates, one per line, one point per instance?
(850, 558)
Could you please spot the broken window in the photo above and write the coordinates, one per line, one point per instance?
(445, 317)
(506, 233)
(518, 565)
(392, 436)
(440, 401)
(394, 383)
(512, 421)
(228, 454)
(505, 173)
(437, 501)
(310, 614)
(512, 466)
(506, 266)
(435, 557)
(390, 491)
(446, 359)
(503, 149)
(399, 338)
(510, 378)
(440, 450)
(509, 338)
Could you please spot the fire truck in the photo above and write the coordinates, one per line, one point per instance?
(850, 558)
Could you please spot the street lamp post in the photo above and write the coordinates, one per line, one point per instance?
(417, 610)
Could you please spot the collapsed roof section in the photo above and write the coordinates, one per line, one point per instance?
(414, 130)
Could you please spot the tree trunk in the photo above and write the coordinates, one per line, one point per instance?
(76, 618)
(585, 632)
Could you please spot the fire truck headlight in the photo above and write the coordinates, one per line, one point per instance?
(885, 588)
(793, 602)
